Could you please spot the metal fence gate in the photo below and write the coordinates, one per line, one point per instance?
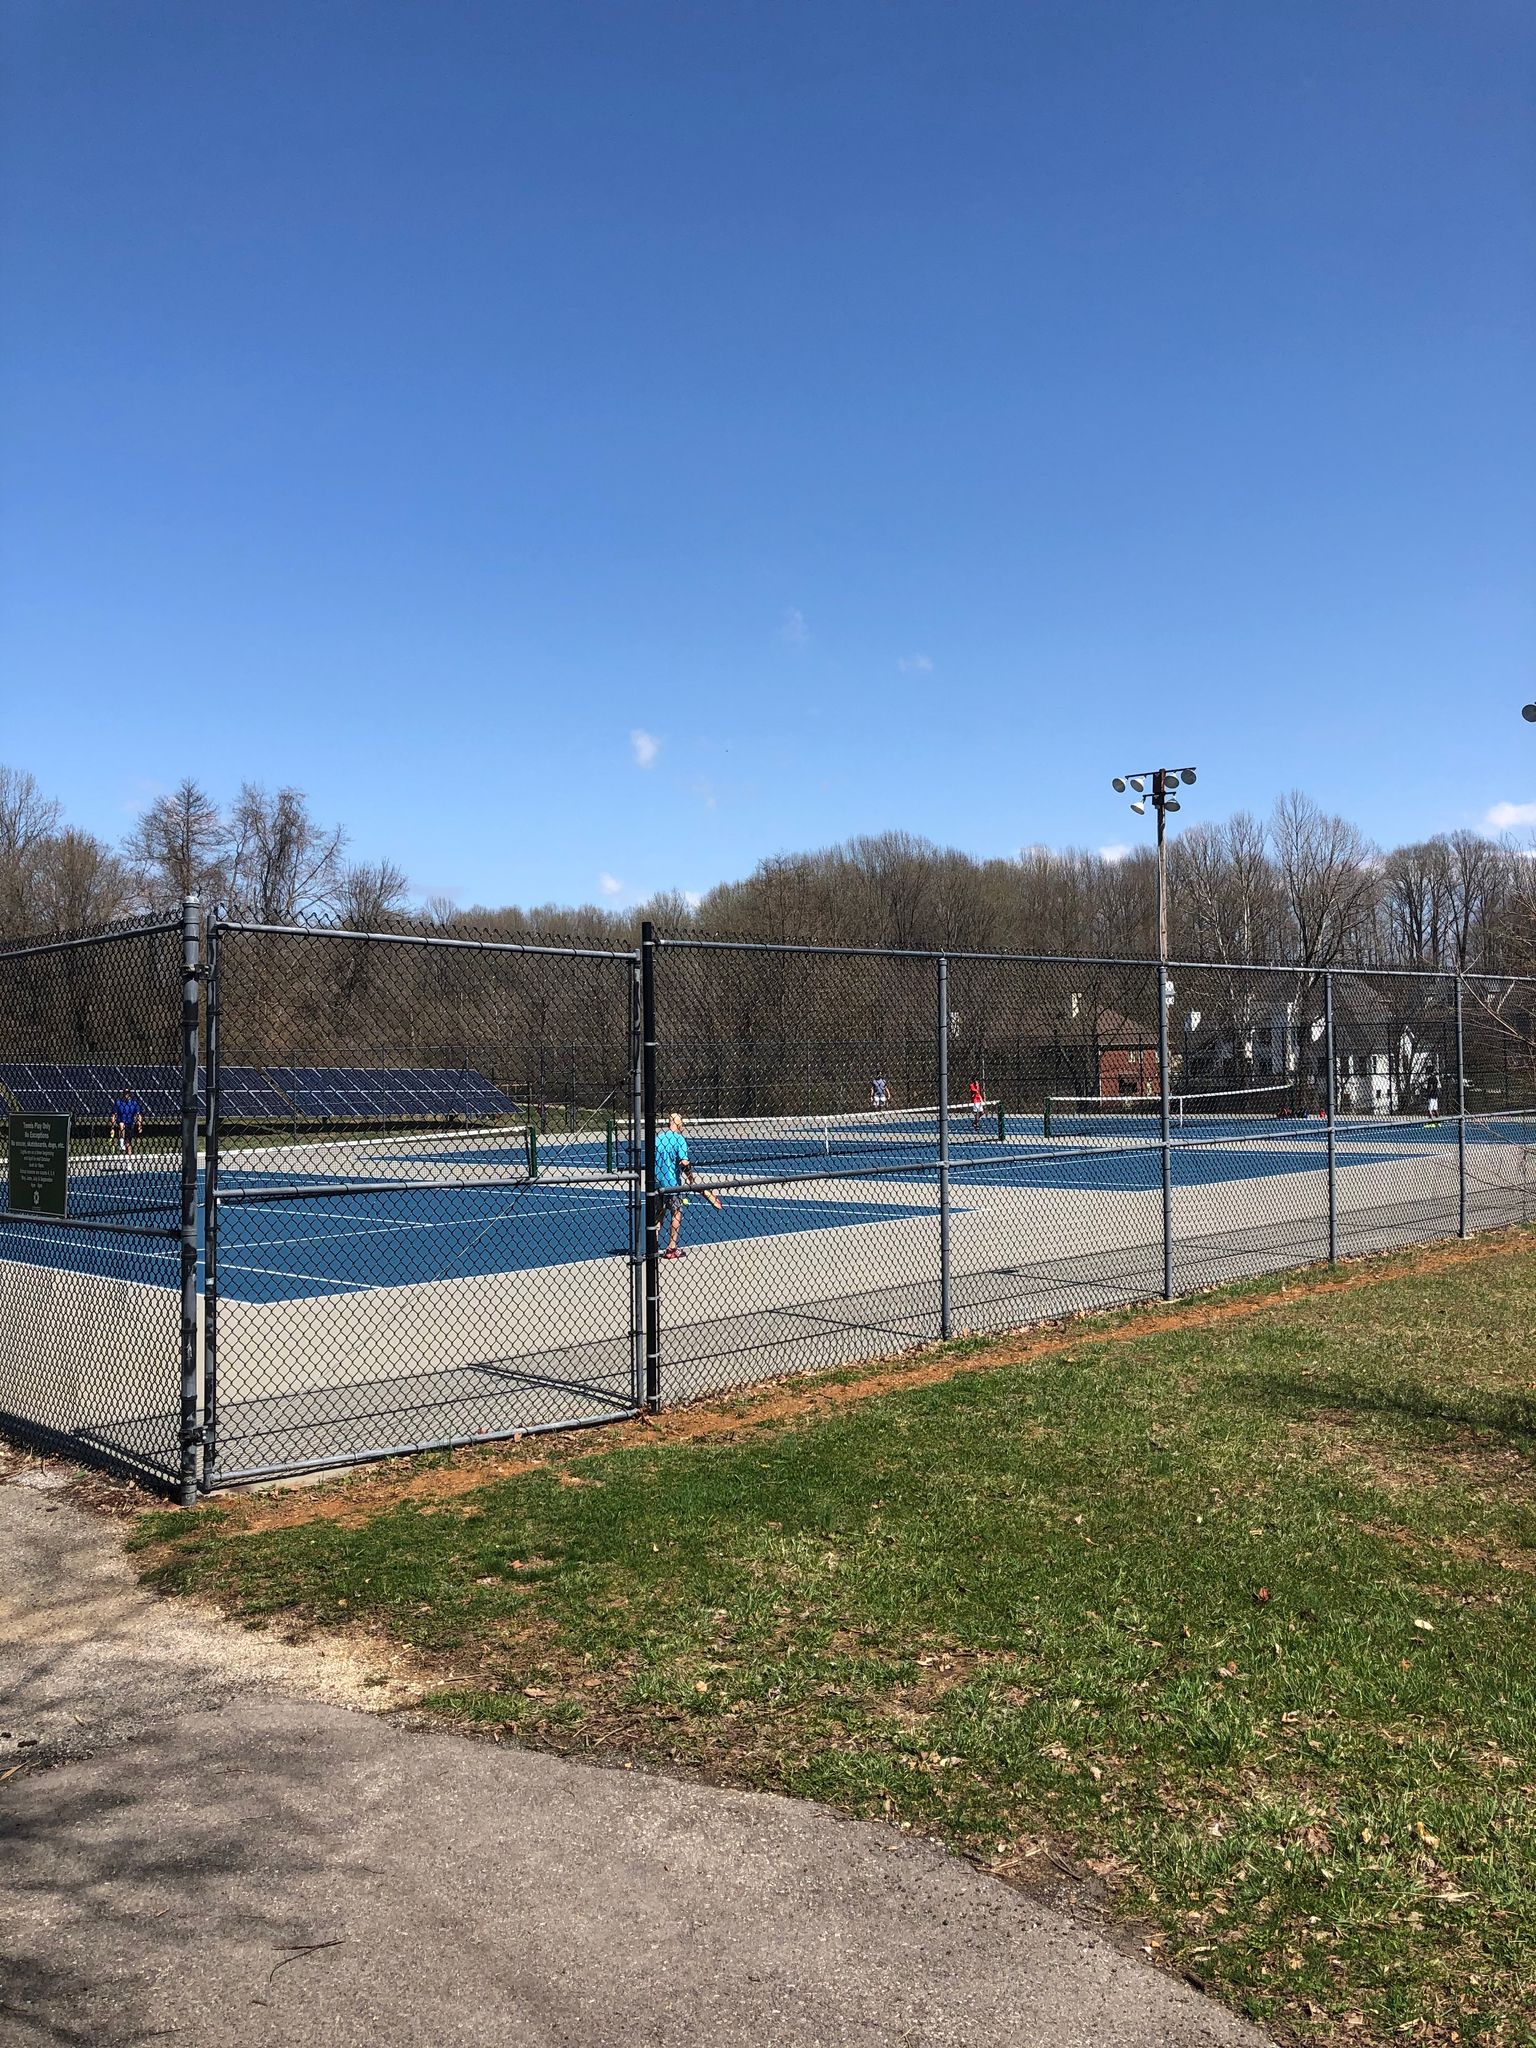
(428, 1282)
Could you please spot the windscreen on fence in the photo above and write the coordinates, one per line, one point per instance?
(421, 1223)
(91, 1086)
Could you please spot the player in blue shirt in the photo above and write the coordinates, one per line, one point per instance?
(127, 1120)
(672, 1171)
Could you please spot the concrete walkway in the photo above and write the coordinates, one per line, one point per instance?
(203, 1841)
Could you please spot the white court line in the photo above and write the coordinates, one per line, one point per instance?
(91, 1239)
(389, 1229)
(857, 1211)
(288, 1273)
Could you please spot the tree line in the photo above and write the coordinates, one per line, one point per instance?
(1301, 886)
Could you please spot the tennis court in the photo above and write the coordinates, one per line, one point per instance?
(424, 1288)
(359, 1288)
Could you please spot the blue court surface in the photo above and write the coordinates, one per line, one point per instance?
(362, 1238)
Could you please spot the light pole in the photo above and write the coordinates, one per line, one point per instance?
(1157, 786)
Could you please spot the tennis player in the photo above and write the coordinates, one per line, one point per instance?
(976, 1105)
(1434, 1102)
(672, 1173)
(127, 1120)
(879, 1093)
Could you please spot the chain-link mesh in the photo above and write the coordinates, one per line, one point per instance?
(1092, 1151)
(825, 1244)
(1395, 1068)
(423, 1208)
(1056, 1200)
(422, 1227)
(90, 1307)
(1498, 1022)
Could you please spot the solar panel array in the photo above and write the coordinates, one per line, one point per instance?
(351, 1093)
(89, 1090)
(257, 1094)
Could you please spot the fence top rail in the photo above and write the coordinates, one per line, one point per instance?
(28, 949)
(1300, 969)
(429, 939)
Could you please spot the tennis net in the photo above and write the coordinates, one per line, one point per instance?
(871, 1136)
(1211, 1112)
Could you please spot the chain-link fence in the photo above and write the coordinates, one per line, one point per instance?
(431, 1190)
(909, 1146)
(98, 1296)
(420, 1221)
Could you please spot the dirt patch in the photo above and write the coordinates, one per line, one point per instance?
(1493, 1471)
(360, 1497)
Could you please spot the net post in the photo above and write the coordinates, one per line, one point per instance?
(1001, 1128)
(944, 1276)
(191, 971)
(1045, 1119)
(1333, 1100)
(609, 1134)
(531, 1141)
(1164, 1109)
(648, 1166)
(1461, 1117)
(211, 1133)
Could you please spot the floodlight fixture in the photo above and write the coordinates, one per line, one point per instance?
(1529, 713)
(1157, 790)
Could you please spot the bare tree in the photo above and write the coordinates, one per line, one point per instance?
(371, 892)
(1329, 882)
(80, 882)
(27, 823)
(1225, 893)
(283, 864)
(179, 847)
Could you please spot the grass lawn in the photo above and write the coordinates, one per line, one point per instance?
(1230, 1604)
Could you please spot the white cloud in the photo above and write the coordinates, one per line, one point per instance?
(1502, 816)
(916, 664)
(610, 884)
(705, 792)
(794, 632)
(1113, 853)
(693, 898)
(646, 746)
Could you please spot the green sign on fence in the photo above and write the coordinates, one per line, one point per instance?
(39, 1165)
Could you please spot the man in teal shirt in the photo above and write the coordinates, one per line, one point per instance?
(672, 1170)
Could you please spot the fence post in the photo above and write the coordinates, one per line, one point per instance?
(1333, 1096)
(191, 1434)
(1164, 1121)
(652, 1217)
(211, 1087)
(1461, 1119)
(944, 1308)
(635, 1117)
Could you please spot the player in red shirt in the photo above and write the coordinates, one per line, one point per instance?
(976, 1105)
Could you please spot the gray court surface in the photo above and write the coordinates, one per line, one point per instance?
(817, 1273)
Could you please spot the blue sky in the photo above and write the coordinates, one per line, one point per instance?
(893, 415)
